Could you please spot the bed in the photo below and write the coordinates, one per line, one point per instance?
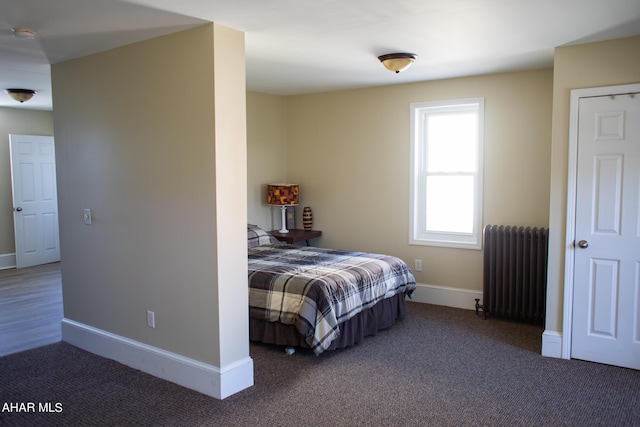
(321, 299)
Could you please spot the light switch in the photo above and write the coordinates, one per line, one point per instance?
(151, 319)
(87, 216)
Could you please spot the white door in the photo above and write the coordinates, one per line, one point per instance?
(35, 200)
(606, 293)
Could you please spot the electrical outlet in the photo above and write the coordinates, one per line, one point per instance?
(418, 265)
(151, 319)
(87, 216)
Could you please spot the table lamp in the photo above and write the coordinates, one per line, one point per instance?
(282, 195)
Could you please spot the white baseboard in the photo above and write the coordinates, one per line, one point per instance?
(552, 344)
(7, 261)
(450, 297)
(204, 378)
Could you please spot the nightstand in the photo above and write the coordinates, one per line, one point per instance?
(296, 235)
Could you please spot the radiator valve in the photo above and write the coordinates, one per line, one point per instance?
(478, 306)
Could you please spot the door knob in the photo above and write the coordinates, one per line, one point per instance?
(18, 209)
(583, 244)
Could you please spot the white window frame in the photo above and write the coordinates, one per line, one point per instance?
(418, 233)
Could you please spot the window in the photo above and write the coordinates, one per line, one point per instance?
(446, 173)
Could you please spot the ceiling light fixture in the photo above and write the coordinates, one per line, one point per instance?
(21, 95)
(397, 62)
(24, 33)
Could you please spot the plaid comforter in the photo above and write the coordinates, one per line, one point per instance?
(316, 289)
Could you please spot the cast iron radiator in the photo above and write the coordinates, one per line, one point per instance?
(515, 273)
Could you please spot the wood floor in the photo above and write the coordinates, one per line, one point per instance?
(30, 307)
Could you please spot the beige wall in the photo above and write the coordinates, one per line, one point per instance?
(266, 154)
(607, 63)
(230, 142)
(16, 121)
(148, 138)
(349, 151)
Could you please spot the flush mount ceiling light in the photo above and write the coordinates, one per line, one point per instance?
(24, 33)
(21, 95)
(397, 62)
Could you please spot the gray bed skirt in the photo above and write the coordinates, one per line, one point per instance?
(366, 323)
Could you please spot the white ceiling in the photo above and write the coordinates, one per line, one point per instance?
(305, 46)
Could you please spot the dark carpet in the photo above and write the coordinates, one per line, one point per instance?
(439, 367)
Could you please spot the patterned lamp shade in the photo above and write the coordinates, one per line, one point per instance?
(282, 194)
